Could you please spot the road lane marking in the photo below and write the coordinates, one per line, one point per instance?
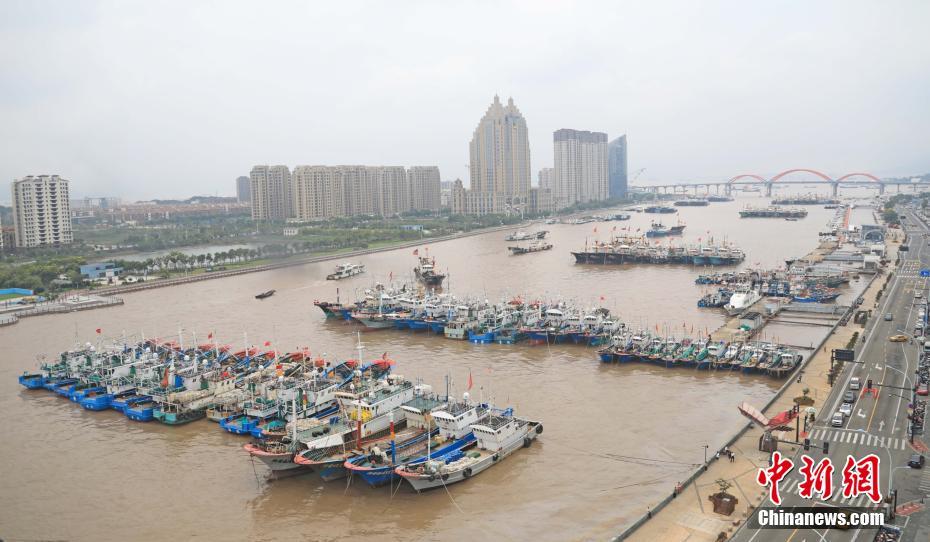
(878, 394)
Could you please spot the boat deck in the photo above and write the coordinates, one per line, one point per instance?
(424, 403)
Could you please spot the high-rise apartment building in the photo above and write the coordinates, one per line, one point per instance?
(617, 167)
(41, 211)
(546, 176)
(244, 189)
(425, 188)
(580, 172)
(322, 192)
(499, 160)
(270, 191)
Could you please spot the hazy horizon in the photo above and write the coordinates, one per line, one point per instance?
(169, 100)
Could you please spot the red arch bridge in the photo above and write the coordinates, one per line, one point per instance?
(791, 176)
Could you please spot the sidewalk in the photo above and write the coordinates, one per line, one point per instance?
(690, 515)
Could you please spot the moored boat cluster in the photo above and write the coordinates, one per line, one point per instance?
(702, 354)
(303, 413)
(475, 319)
(624, 249)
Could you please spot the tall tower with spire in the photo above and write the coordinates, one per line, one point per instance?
(500, 158)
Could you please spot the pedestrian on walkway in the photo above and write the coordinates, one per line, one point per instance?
(717, 455)
(732, 457)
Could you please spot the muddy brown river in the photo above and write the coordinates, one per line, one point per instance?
(617, 437)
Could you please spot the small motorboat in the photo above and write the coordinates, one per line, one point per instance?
(264, 295)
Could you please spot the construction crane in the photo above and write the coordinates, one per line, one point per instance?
(636, 175)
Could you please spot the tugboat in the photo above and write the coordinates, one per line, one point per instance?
(346, 270)
(426, 273)
(264, 295)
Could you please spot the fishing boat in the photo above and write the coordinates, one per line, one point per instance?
(524, 236)
(743, 298)
(142, 410)
(816, 296)
(426, 273)
(659, 209)
(265, 295)
(498, 436)
(536, 246)
(715, 299)
(32, 381)
(334, 310)
(455, 434)
(346, 270)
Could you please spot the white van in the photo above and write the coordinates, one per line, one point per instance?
(927, 346)
(854, 383)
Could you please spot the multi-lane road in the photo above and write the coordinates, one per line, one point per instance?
(878, 423)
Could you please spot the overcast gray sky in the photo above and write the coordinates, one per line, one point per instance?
(171, 99)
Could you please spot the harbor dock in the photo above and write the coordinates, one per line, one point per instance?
(687, 513)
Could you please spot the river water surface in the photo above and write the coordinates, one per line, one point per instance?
(72, 474)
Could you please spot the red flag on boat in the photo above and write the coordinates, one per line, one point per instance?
(391, 276)
(164, 381)
(470, 383)
(416, 252)
(602, 298)
(595, 229)
(267, 343)
(99, 331)
(210, 335)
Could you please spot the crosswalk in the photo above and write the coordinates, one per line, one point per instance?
(858, 437)
(790, 486)
(924, 485)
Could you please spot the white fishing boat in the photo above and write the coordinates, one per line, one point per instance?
(346, 270)
(744, 298)
(497, 436)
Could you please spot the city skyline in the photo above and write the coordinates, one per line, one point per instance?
(702, 98)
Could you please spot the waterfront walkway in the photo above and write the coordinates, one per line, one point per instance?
(689, 515)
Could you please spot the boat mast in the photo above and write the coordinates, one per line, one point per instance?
(294, 419)
(358, 396)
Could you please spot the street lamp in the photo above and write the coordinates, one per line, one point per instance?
(705, 453)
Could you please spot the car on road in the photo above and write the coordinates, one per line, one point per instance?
(888, 317)
(898, 338)
(849, 397)
(855, 383)
(846, 409)
(918, 295)
(838, 419)
(923, 390)
(916, 461)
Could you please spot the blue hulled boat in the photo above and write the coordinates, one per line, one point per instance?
(379, 470)
(32, 381)
(120, 402)
(141, 411)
